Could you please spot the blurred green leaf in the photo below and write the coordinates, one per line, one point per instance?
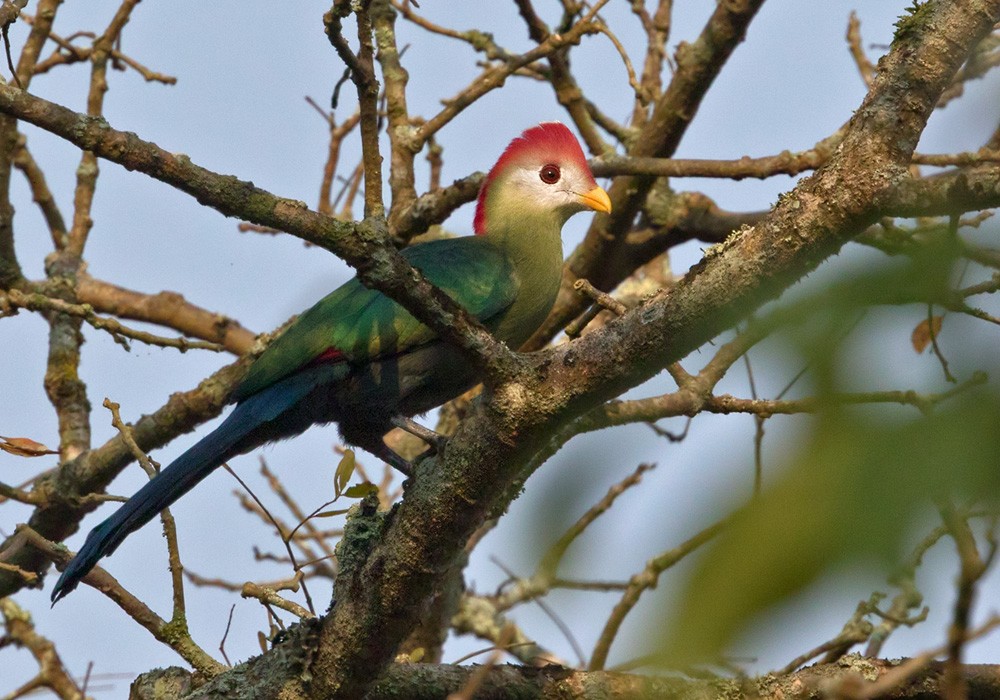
(851, 493)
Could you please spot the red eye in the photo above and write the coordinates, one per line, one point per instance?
(549, 174)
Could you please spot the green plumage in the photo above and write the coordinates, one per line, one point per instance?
(361, 360)
(365, 325)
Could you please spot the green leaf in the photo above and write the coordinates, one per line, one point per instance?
(345, 470)
(361, 490)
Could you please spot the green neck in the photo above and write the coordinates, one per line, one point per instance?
(530, 235)
(531, 241)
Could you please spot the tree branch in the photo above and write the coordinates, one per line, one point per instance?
(437, 681)
(363, 245)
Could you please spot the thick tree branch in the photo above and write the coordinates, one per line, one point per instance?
(166, 309)
(432, 682)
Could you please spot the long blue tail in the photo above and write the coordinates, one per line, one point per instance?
(254, 421)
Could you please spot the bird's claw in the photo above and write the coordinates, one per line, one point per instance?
(436, 440)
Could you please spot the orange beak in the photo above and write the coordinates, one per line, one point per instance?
(597, 199)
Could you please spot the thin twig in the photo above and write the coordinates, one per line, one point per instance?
(121, 333)
(604, 300)
(638, 584)
(865, 67)
(471, 686)
(288, 547)
(269, 596)
(174, 635)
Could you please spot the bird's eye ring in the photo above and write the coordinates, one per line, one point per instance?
(549, 174)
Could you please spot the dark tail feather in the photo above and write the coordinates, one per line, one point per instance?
(267, 415)
(169, 485)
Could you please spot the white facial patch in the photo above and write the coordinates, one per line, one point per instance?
(563, 195)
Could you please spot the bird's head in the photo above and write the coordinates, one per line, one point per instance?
(542, 175)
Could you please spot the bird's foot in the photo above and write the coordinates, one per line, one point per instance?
(389, 456)
(436, 440)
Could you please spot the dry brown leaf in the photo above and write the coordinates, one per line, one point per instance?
(24, 447)
(926, 330)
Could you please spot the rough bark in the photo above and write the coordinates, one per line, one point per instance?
(433, 682)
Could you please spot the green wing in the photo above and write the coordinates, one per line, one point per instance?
(364, 324)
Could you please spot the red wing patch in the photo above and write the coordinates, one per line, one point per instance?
(329, 355)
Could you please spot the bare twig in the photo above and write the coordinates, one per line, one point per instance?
(638, 584)
(269, 596)
(166, 309)
(493, 78)
(362, 67)
(550, 561)
(173, 634)
(121, 333)
(52, 674)
(468, 691)
(274, 522)
(865, 67)
(152, 469)
(973, 566)
(605, 301)
(402, 182)
(857, 630)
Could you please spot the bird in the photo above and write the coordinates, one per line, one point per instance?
(361, 360)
